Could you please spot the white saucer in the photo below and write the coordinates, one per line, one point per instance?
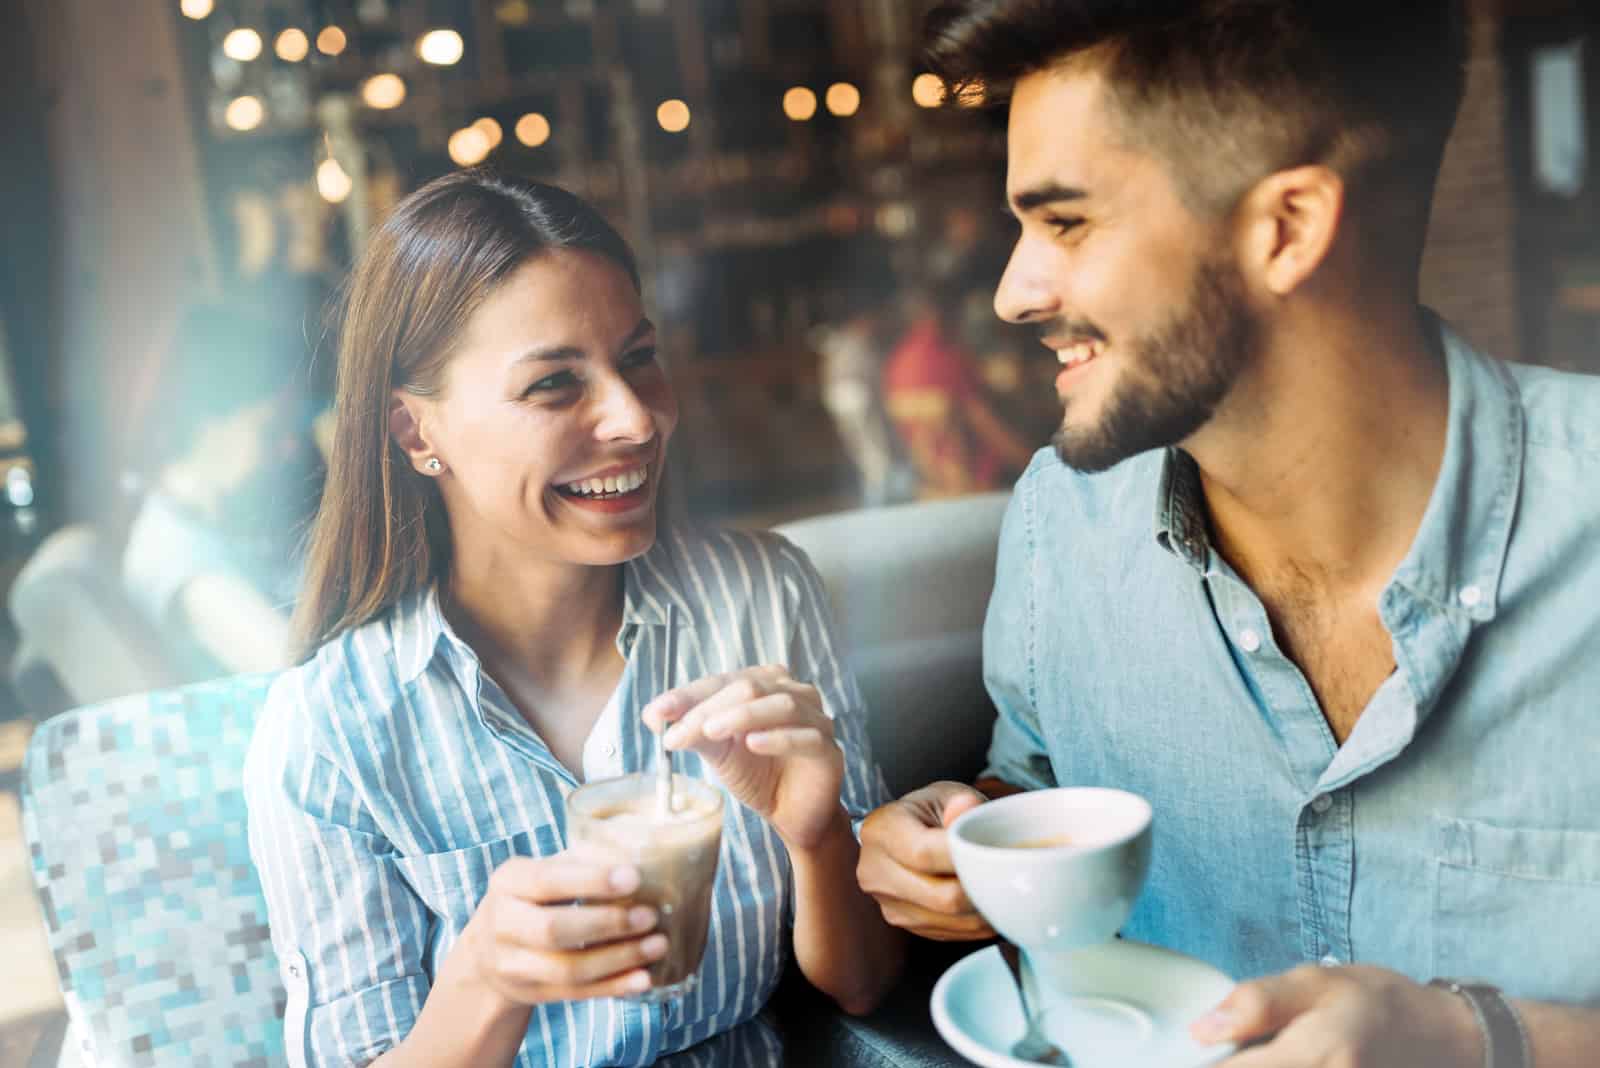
(1132, 1009)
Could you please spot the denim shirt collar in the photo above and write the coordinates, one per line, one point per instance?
(419, 630)
(1455, 561)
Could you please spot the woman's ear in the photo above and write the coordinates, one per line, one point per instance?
(406, 427)
(1293, 218)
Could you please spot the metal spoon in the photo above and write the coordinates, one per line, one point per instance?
(1032, 1046)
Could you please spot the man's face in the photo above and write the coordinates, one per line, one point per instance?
(1138, 296)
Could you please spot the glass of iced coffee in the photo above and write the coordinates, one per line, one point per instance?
(676, 855)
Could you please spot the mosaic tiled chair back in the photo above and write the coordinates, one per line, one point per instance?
(135, 823)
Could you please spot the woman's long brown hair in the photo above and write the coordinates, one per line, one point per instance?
(381, 533)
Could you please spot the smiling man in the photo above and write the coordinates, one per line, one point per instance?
(1303, 567)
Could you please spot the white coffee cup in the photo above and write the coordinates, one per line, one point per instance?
(1054, 870)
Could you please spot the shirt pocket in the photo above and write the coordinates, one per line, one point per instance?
(1519, 907)
(451, 884)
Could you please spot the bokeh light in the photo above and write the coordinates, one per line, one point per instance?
(244, 113)
(331, 41)
(799, 103)
(491, 130)
(384, 91)
(843, 99)
(468, 146)
(332, 182)
(673, 115)
(292, 45)
(442, 48)
(243, 44)
(533, 129)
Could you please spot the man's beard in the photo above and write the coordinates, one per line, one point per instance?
(1174, 379)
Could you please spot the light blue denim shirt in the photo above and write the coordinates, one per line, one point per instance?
(1457, 831)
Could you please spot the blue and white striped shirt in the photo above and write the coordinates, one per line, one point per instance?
(390, 776)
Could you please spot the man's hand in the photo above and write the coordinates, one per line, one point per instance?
(1360, 1017)
(905, 864)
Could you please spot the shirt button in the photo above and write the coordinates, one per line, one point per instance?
(1330, 961)
(1249, 640)
(1321, 803)
(294, 970)
(1470, 596)
(609, 750)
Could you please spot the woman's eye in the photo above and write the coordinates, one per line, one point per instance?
(551, 383)
(639, 358)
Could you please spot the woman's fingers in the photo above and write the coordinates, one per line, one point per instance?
(791, 741)
(576, 968)
(565, 877)
(570, 927)
(675, 704)
(783, 709)
(748, 704)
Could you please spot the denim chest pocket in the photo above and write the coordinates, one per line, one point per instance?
(1519, 907)
(451, 884)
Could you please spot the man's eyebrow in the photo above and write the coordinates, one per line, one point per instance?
(563, 353)
(1051, 193)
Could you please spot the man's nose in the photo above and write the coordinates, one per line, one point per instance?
(1025, 293)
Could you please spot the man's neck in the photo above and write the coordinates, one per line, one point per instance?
(1323, 463)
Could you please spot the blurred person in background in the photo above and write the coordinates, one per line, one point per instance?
(956, 441)
(494, 613)
(212, 553)
(852, 348)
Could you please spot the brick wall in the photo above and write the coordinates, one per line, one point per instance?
(1467, 272)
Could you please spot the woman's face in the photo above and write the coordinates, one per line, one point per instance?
(553, 417)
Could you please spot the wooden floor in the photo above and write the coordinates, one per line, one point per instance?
(30, 1001)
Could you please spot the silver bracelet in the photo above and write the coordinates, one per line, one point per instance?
(1505, 1040)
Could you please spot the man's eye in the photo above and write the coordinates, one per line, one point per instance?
(639, 358)
(1063, 226)
(550, 383)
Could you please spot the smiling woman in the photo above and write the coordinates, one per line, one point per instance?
(485, 619)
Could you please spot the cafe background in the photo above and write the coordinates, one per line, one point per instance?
(783, 167)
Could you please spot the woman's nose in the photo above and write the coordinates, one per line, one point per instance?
(624, 415)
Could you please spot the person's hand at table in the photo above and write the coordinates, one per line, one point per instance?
(770, 741)
(1356, 1016)
(529, 943)
(905, 864)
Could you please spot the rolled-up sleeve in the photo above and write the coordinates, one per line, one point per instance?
(349, 934)
(1017, 751)
(814, 657)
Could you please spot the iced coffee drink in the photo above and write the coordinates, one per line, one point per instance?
(676, 854)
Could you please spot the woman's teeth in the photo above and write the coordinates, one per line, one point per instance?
(614, 486)
(1082, 352)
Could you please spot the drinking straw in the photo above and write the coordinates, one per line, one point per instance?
(664, 758)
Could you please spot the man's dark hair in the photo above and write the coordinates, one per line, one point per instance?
(1229, 91)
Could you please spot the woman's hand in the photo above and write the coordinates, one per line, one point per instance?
(530, 942)
(770, 742)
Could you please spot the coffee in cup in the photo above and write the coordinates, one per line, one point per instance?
(1054, 871)
(675, 853)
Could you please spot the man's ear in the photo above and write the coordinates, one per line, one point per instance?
(406, 427)
(1290, 222)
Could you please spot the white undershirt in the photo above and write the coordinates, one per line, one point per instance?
(602, 750)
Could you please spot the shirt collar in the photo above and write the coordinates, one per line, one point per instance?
(1180, 512)
(1457, 556)
(419, 630)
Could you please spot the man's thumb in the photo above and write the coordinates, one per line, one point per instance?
(962, 802)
